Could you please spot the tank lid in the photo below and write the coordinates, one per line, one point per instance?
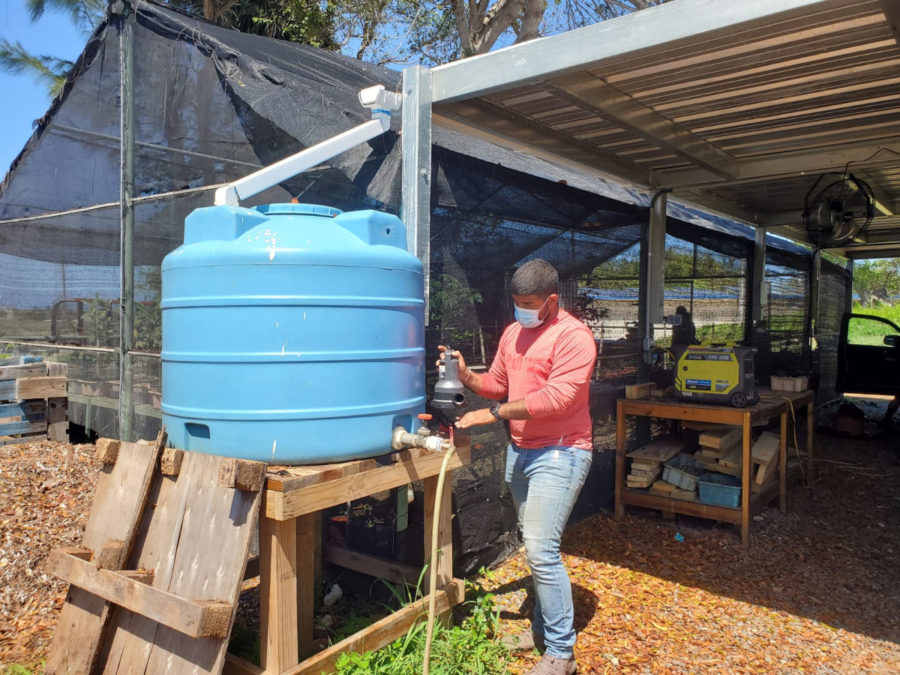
(298, 210)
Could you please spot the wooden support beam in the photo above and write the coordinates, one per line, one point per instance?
(409, 467)
(242, 474)
(40, 387)
(107, 450)
(196, 619)
(26, 370)
(57, 422)
(389, 570)
(382, 632)
(444, 562)
(170, 462)
(278, 595)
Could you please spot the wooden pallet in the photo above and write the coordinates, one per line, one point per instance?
(34, 402)
(155, 584)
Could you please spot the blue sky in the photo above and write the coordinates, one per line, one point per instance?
(25, 99)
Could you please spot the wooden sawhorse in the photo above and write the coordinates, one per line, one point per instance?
(292, 500)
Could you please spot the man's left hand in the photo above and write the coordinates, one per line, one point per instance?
(475, 418)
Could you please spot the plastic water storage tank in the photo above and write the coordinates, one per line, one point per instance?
(291, 334)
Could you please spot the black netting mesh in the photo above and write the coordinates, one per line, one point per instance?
(834, 288)
(213, 105)
(783, 334)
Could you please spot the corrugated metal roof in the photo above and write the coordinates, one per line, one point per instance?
(736, 106)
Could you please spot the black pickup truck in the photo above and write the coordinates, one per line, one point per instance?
(869, 357)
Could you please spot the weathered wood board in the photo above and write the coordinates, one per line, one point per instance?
(119, 500)
(196, 537)
(659, 449)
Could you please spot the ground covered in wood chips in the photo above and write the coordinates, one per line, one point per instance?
(816, 593)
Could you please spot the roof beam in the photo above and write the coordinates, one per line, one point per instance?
(892, 12)
(820, 160)
(596, 96)
(579, 49)
(498, 125)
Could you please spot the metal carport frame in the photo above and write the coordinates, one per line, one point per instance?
(736, 107)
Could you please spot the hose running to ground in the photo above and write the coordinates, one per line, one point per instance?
(432, 571)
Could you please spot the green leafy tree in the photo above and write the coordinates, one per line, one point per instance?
(47, 69)
(877, 281)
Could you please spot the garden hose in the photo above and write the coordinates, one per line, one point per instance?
(432, 572)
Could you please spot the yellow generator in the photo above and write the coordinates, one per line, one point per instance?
(716, 373)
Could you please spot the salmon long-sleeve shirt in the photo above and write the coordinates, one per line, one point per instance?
(550, 367)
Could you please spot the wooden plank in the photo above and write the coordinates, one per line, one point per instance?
(119, 500)
(197, 619)
(410, 467)
(382, 568)
(40, 387)
(22, 409)
(278, 595)
(651, 501)
(659, 449)
(196, 539)
(444, 562)
(308, 534)
(25, 370)
(765, 453)
(382, 632)
(57, 419)
(287, 478)
(721, 439)
(56, 369)
(640, 390)
(621, 442)
(235, 665)
(23, 427)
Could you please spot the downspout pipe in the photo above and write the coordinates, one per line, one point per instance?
(380, 101)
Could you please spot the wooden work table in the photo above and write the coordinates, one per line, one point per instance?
(771, 405)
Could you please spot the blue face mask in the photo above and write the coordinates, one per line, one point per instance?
(529, 317)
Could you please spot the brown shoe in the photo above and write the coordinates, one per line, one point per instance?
(550, 665)
(524, 641)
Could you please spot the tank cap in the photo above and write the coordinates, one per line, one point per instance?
(298, 210)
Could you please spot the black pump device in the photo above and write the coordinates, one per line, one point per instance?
(449, 393)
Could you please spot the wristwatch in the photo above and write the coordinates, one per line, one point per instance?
(495, 410)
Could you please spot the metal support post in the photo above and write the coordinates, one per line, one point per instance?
(415, 210)
(126, 212)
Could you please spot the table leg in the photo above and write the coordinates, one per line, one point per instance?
(620, 460)
(278, 597)
(782, 464)
(810, 421)
(745, 483)
(307, 546)
(444, 563)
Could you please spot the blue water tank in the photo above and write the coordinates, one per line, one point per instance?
(291, 334)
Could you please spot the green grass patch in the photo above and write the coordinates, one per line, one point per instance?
(469, 646)
(872, 332)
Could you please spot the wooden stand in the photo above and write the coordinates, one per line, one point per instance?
(771, 405)
(293, 498)
(34, 402)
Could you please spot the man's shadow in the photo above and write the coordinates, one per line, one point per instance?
(584, 601)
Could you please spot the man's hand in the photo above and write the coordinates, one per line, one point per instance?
(456, 353)
(475, 418)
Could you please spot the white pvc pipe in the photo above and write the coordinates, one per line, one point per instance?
(288, 167)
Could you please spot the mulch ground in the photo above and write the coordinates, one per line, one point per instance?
(817, 592)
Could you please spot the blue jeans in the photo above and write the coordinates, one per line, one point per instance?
(545, 484)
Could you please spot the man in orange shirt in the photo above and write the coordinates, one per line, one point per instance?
(543, 371)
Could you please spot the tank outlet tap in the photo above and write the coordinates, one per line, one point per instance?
(401, 439)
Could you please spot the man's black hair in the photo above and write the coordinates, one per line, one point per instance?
(536, 277)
